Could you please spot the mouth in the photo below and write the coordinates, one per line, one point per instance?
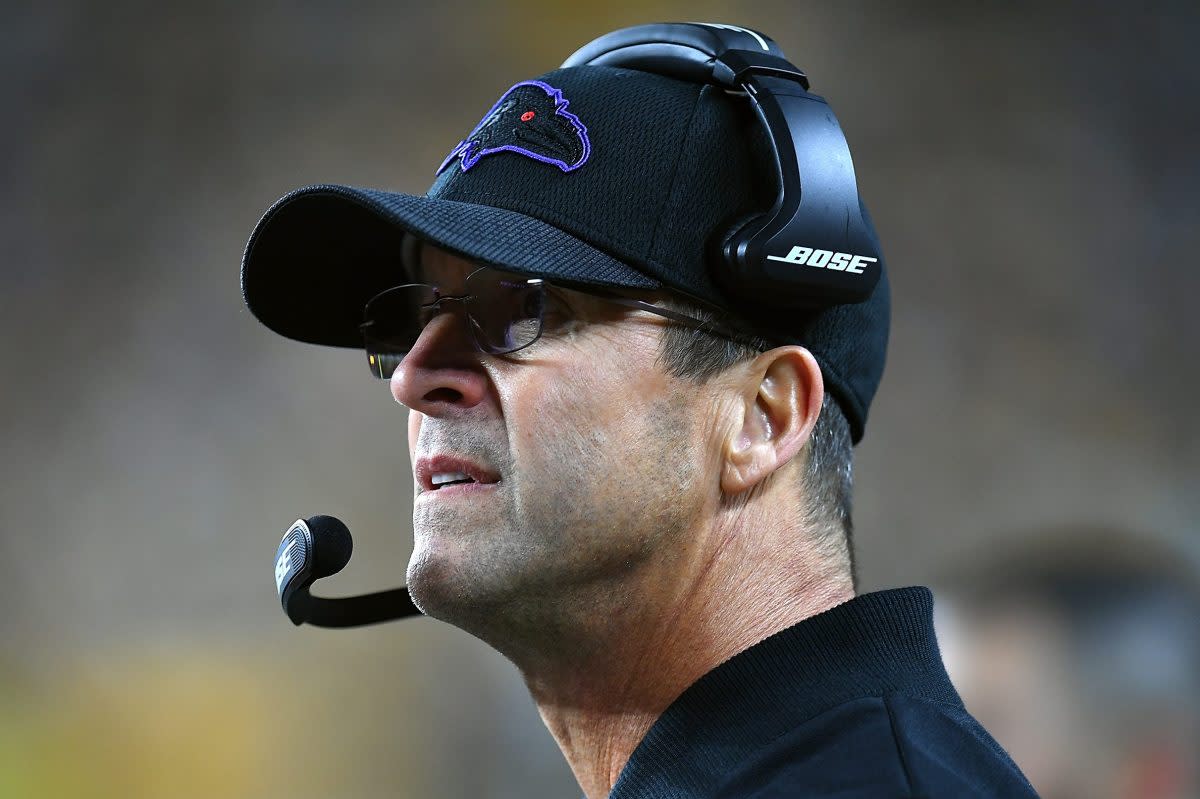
(450, 479)
(450, 473)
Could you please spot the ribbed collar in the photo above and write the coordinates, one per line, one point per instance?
(871, 645)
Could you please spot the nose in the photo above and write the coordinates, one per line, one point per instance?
(443, 371)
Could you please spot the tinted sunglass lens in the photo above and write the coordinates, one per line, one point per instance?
(505, 310)
(383, 364)
(392, 323)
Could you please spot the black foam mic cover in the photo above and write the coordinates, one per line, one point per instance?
(331, 545)
(317, 547)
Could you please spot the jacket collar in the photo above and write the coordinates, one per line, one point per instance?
(872, 645)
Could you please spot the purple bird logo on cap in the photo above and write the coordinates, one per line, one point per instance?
(531, 119)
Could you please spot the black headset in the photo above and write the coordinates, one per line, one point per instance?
(816, 244)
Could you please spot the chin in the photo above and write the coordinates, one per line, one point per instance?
(446, 583)
(432, 578)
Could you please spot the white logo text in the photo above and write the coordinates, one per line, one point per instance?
(839, 261)
(283, 565)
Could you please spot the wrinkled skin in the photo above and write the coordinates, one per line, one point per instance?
(600, 463)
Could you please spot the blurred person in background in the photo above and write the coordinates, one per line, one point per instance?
(1080, 652)
(632, 474)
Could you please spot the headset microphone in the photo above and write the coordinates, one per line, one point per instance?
(317, 547)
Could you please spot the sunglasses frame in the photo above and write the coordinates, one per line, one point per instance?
(712, 328)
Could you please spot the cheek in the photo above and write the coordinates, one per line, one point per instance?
(583, 424)
(585, 402)
(567, 411)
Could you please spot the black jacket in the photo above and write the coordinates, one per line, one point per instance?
(853, 702)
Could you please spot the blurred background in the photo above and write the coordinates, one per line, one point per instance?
(1032, 170)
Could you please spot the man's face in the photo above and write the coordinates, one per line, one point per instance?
(589, 461)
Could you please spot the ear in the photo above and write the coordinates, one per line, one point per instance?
(780, 400)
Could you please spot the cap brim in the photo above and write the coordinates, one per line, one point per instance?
(320, 252)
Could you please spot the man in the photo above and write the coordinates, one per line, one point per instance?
(631, 485)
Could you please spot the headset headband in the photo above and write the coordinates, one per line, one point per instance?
(816, 246)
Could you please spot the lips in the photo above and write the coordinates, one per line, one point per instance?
(437, 471)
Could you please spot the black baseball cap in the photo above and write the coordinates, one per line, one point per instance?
(589, 176)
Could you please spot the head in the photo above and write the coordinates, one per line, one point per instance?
(611, 453)
(604, 455)
(1081, 655)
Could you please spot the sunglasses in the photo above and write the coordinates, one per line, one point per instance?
(504, 312)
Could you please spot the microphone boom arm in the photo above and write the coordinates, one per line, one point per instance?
(355, 611)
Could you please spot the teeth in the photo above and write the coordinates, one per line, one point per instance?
(448, 477)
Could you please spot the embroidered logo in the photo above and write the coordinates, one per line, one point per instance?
(531, 119)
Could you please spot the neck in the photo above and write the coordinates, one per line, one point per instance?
(645, 641)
